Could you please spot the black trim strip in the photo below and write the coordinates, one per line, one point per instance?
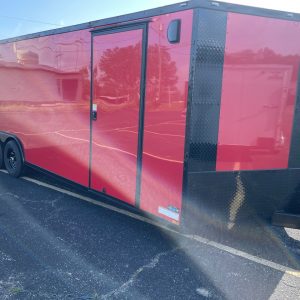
(129, 25)
(204, 99)
(118, 28)
(196, 16)
(91, 108)
(141, 115)
(206, 4)
(206, 90)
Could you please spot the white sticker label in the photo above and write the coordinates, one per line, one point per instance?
(166, 212)
(94, 107)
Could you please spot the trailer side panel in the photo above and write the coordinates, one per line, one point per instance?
(259, 92)
(165, 117)
(45, 92)
(239, 146)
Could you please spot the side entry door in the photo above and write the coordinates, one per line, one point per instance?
(118, 75)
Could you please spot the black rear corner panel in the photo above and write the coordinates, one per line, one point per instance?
(294, 161)
(293, 205)
(235, 197)
(206, 88)
(225, 198)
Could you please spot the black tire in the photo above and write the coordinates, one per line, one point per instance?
(1, 156)
(13, 159)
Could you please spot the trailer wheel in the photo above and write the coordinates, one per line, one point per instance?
(13, 159)
(1, 156)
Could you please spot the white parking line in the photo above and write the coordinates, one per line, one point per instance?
(233, 251)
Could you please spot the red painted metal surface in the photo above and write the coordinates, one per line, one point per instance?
(117, 73)
(45, 101)
(165, 117)
(259, 91)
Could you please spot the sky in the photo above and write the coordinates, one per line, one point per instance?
(18, 17)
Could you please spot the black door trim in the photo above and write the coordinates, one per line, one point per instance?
(119, 28)
(142, 115)
(143, 25)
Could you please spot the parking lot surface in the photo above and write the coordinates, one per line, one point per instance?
(54, 245)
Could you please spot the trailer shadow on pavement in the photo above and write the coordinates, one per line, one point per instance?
(54, 246)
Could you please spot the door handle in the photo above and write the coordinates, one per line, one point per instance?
(94, 112)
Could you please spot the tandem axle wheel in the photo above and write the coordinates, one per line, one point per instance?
(12, 158)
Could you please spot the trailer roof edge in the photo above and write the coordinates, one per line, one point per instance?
(207, 4)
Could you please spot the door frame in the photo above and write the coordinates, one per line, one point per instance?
(143, 25)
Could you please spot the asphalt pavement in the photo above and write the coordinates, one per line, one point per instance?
(57, 246)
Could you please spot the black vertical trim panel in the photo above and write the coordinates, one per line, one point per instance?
(206, 89)
(294, 159)
(91, 109)
(141, 115)
(204, 98)
(195, 34)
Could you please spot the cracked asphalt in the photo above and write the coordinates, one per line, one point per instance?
(54, 246)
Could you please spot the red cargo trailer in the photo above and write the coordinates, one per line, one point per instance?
(186, 112)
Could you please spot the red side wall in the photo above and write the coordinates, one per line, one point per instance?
(259, 90)
(44, 99)
(165, 116)
(45, 94)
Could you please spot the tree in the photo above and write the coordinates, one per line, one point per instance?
(118, 72)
